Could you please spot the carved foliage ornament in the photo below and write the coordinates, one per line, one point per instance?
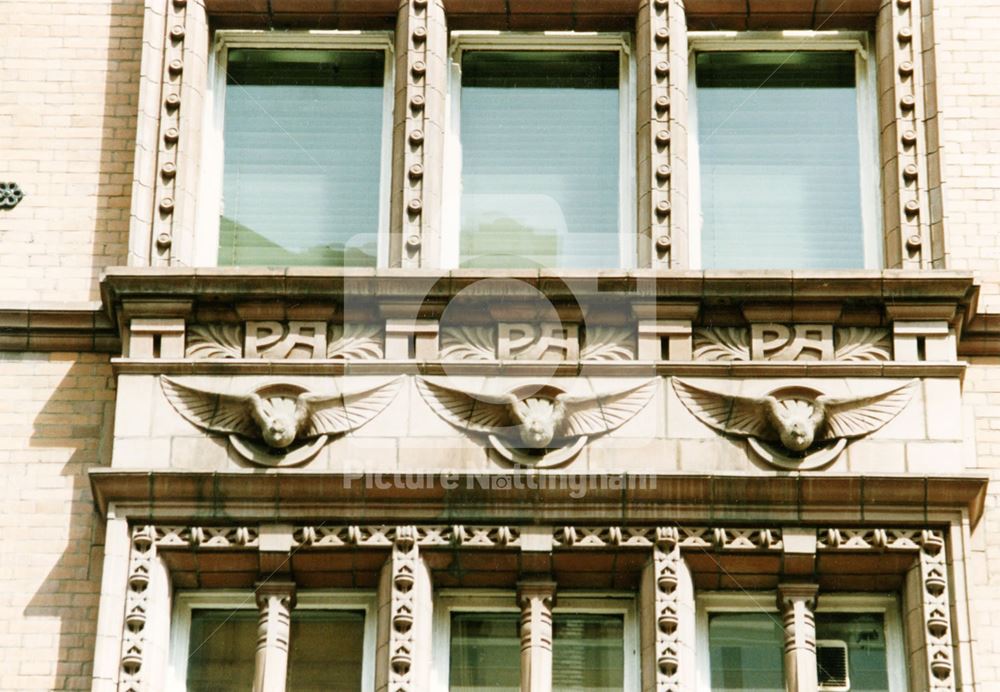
(794, 427)
(792, 342)
(278, 424)
(293, 340)
(536, 425)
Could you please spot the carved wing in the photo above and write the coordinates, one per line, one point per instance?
(221, 413)
(600, 413)
(862, 415)
(743, 416)
(323, 414)
(481, 413)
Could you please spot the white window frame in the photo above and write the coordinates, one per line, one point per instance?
(213, 124)
(866, 88)
(448, 601)
(243, 600)
(756, 602)
(461, 41)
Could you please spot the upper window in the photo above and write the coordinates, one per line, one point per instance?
(785, 176)
(304, 141)
(539, 131)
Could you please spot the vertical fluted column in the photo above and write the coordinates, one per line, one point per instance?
(797, 603)
(275, 601)
(536, 598)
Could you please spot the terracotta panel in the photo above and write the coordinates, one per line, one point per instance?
(303, 6)
(583, 580)
(840, 20)
(474, 7)
(227, 580)
(618, 7)
(236, 6)
(604, 22)
(579, 561)
(715, 7)
(869, 7)
(720, 22)
(541, 22)
(386, 7)
(325, 580)
(764, 21)
(486, 22)
(781, 6)
(540, 6)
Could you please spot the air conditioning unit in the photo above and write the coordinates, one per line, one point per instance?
(831, 665)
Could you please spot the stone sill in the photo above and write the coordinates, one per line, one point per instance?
(292, 495)
(159, 366)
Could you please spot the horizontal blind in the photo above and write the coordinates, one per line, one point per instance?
(540, 159)
(302, 148)
(780, 160)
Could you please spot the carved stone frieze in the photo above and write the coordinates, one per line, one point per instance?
(794, 427)
(476, 343)
(937, 612)
(609, 344)
(403, 611)
(666, 565)
(550, 341)
(278, 424)
(792, 342)
(291, 340)
(535, 425)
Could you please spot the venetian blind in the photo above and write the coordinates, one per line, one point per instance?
(303, 144)
(540, 155)
(779, 152)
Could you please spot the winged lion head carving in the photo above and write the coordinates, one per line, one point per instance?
(278, 424)
(799, 419)
(537, 419)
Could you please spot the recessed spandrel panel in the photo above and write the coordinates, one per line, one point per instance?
(303, 143)
(746, 652)
(779, 152)
(540, 135)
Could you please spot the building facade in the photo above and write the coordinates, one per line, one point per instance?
(495, 344)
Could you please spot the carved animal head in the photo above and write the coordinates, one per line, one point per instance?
(278, 418)
(796, 423)
(538, 421)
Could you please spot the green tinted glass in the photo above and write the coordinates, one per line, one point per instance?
(588, 653)
(540, 159)
(745, 652)
(485, 652)
(221, 651)
(864, 634)
(303, 140)
(326, 651)
(779, 152)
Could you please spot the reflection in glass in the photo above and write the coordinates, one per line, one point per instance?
(303, 132)
(221, 651)
(326, 651)
(588, 653)
(485, 652)
(540, 159)
(745, 652)
(779, 152)
(864, 634)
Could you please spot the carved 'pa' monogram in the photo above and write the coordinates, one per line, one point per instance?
(796, 342)
(545, 341)
(295, 340)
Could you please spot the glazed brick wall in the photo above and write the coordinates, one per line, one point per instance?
(69, 72)
(56, 414)
(968, 67)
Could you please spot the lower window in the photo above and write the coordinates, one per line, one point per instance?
(859, 645)
(331, 647)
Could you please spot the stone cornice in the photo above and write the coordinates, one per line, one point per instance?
(515, 498)
(982, 336)
(57, 327)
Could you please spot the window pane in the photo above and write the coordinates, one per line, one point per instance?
(485, 652)
(780, 160)
(540, 152)
(327, 648)
(588, 653)
(745, 652)
(864, 634)
(303, 131)
(221, 651)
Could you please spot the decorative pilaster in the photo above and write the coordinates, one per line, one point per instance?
(418, 141)
(275, 600)
(939, 653)
(661, 48)
(667, 675)
(403, 611)
(536, 599)
(797, 603)
(904, 142)
(141, 557)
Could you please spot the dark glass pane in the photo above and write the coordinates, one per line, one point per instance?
(540, 159)
(745, 652)
(588, 653)
(485, 652)
(864, 634)
(221, 651)
(303, 138)
(780, 160)
(327, 650)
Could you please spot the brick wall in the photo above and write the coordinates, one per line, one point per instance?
(968, 66)
(55, 422)
(70, 75)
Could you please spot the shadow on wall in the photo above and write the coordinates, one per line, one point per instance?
(118, 145)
